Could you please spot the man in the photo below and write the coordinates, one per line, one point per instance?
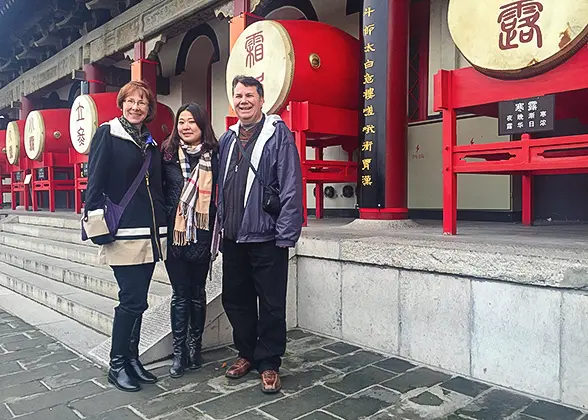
(260, 212)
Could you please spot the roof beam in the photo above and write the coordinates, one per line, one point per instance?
(142, 22)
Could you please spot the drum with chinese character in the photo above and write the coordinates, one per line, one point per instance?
(46, 131)
(89, 111)
(14, 141)
(516, 39)
(298, 60)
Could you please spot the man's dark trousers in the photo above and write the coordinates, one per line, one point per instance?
(253, 271)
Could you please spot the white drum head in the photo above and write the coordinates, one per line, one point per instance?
(83, 122)
(264, 50)
(34, 135)
(517, 38)
(12, 143)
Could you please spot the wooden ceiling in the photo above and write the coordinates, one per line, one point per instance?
(33, 30)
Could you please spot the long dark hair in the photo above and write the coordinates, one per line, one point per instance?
(208, 139)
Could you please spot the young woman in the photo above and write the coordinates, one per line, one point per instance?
(190, 172)
(118, 152)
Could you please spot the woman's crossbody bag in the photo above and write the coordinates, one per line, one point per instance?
(112, 211)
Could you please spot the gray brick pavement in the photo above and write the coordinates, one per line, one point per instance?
(323, 379)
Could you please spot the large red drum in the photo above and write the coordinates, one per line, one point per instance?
(298, 60)
(89, 111)
(46, 131)
(14, 141)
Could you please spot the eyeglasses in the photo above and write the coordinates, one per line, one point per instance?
(140, 104)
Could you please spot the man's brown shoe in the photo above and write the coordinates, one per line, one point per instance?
(239, 369)
(270, 382)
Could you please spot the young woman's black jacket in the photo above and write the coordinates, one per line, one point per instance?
(173, 183)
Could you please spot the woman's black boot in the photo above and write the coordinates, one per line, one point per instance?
(118, 374)
(179, 323)
(197, 321)
(137, 371)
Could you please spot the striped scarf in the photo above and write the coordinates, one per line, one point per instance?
(194, 206)
(139, 136)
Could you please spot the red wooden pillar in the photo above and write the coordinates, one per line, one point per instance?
(449, 176)
(527, 189)
(240, 20)
(143, 69)
(396, 109)
(95, 78)
(241, 6)
(26, 106)
(318, 194)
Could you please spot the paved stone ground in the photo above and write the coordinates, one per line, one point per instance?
(323, 379)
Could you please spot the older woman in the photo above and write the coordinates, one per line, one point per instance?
(190, 171)
(123, 153)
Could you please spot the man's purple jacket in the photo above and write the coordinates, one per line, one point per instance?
(276, 159)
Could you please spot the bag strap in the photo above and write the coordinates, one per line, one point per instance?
(133, 188)
(246, 157)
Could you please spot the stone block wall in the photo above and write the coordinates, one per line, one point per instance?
(532, 338)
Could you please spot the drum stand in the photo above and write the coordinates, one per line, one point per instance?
(52, 164)
(18, 188)
(78, 160)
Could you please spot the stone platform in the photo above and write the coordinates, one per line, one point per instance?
(501, 303)
(323, 379)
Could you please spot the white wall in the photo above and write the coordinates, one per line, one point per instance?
(191, 85)
(220, 102)
(443, 53)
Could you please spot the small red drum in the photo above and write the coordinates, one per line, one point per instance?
(88, 112)
(46, 131)
(14, 141)
(298, 60)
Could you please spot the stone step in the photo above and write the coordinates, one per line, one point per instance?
(76, 252)
(85, 307)
(57, 220)
(43, 258)
(92, 279)
(83, 254)
(96, 312)
(47, 232)
(71, 333)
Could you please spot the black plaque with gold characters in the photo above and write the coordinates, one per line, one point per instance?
(372, 163)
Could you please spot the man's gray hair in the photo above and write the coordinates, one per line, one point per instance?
(248, 81)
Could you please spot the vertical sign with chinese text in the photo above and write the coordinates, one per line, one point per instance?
(372, 161)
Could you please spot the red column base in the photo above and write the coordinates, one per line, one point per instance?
(384, 214)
